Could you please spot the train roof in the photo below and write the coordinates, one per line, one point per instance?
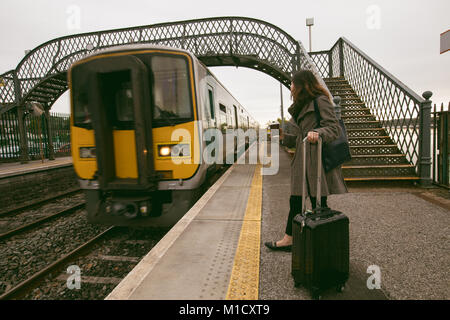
(135, 47)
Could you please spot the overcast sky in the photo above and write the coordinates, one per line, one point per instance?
(401, 35)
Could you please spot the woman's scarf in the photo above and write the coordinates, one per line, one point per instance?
(295, 109)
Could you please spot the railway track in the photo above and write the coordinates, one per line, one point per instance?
(19, 290)
(103, 259)
(40, 202)
(97, 278)
(39, 222)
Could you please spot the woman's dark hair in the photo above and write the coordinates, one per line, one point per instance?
(307, 88)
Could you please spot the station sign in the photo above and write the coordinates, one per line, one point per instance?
(445, 41)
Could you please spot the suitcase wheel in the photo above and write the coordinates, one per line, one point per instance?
(340, 287)
(315, 294)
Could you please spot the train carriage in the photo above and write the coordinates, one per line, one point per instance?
(139, 116)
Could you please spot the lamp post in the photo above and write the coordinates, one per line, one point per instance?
(309, 24)
(282, 111)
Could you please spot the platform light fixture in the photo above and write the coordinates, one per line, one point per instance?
(309, 24)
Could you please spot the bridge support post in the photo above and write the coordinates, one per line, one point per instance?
(341, 57)
(23, 139)
(425, 140)
(330, 65)
(337, 107)
(51, 152)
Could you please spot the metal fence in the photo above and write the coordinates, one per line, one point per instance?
(441, 143)
(391, 102)
(38, 131)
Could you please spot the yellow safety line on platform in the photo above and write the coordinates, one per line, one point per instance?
(244, 280)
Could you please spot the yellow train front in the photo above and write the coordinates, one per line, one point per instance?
(138, 117)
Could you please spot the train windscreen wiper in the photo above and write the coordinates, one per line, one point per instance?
(165, 116)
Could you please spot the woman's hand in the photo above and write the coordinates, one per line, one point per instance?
(313, 136)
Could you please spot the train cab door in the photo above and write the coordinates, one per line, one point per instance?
(121, 111)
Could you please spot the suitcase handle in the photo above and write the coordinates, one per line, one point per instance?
(319, 174)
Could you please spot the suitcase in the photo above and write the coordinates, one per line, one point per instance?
(320, 248)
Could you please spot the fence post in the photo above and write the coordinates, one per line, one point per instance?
(341, 57)
(424, 140)
(330, 64)
(51, 152)
(23, 139)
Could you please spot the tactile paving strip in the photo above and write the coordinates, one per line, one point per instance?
(244, 280)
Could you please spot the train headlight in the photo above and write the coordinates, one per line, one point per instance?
(174, 150)
(164, 151)
(87, 152)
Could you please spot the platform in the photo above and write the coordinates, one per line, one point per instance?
(17, 168)
(216, 250)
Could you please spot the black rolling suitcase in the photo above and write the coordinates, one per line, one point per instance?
(320, 249)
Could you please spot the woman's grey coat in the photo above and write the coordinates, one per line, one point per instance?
(333, 181)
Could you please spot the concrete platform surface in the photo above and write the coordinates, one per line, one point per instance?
(402, 234)
(17, 168)
(195, 259)
(406, 236)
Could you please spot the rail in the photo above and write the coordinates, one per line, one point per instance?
(441, 150)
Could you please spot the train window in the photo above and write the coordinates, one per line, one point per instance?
(117, 96)
(171, 88)
(211, 103)
(124, 103)
(223, 114)
(81, 115)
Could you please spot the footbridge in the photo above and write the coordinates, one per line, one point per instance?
(371, 99)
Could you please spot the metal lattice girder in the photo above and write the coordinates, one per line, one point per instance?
(234, 41)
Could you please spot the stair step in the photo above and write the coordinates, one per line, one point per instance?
(412, 178)
(340, 79)
(399, 170)
(358, 118)
(378, 159)
(380, 166)
(349, 96)
(355, 112)
(374, 149)
(361, 125)
(364, 141)
(352, 104)
(338, 92)
(373, 132)
(352, 107)
(339, 85)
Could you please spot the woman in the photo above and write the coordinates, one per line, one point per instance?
(304, 90)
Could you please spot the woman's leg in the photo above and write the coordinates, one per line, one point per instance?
(295, 207)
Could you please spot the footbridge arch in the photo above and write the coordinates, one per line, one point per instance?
(223, 41)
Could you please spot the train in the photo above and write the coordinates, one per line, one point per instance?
(139, 116)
